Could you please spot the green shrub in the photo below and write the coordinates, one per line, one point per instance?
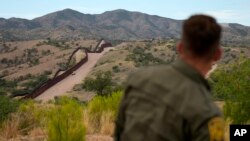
(142, 58)
(72, 63)
(102, 84)
(56, 43)
(36, 82)
(2, 92)
(34, 62)
(227, 50)
(7, 106)
(20, 92)
(116, 69)
(232, 85)
(65, 121)
(7, 86)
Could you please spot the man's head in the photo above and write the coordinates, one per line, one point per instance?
(201, 36)
(200, 41)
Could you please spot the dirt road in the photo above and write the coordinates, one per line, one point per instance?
(62, 87)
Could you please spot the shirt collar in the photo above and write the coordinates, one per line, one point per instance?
(190, 72)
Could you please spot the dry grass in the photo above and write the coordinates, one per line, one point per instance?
(10, 127)
(95, 132)
(107, 124)
(104, 127)
(220, 104)
(88, 123)
(100, 114)
(24, 124)
(96, 124)
(226, 135)
(37, 132)
(98, 138)
(101, 130)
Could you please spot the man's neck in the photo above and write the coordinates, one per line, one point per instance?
(200, 65)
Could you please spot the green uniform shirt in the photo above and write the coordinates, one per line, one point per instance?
(167, 103)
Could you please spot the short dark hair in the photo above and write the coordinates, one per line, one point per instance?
(201, 35)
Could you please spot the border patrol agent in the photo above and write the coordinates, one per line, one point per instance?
(174, 102)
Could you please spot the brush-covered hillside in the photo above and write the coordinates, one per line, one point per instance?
(129, 56)
(25, 65)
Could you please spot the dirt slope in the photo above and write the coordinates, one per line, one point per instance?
(68, 83)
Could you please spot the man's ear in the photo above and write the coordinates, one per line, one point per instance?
(217, 54)
(180, 47)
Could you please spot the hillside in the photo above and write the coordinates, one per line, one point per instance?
(129, 56)
(117, 24)
(25, 65)
(21, 58)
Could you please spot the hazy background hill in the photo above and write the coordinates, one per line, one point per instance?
(117, 24)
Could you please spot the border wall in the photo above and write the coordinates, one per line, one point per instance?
(57, 78)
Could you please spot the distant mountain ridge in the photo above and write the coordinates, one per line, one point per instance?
(118, 24)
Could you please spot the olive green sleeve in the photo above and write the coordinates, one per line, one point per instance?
(201, 133)
(133, 117)
(210, 130)
(206, 122)
(119, 125)
(120, 121)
